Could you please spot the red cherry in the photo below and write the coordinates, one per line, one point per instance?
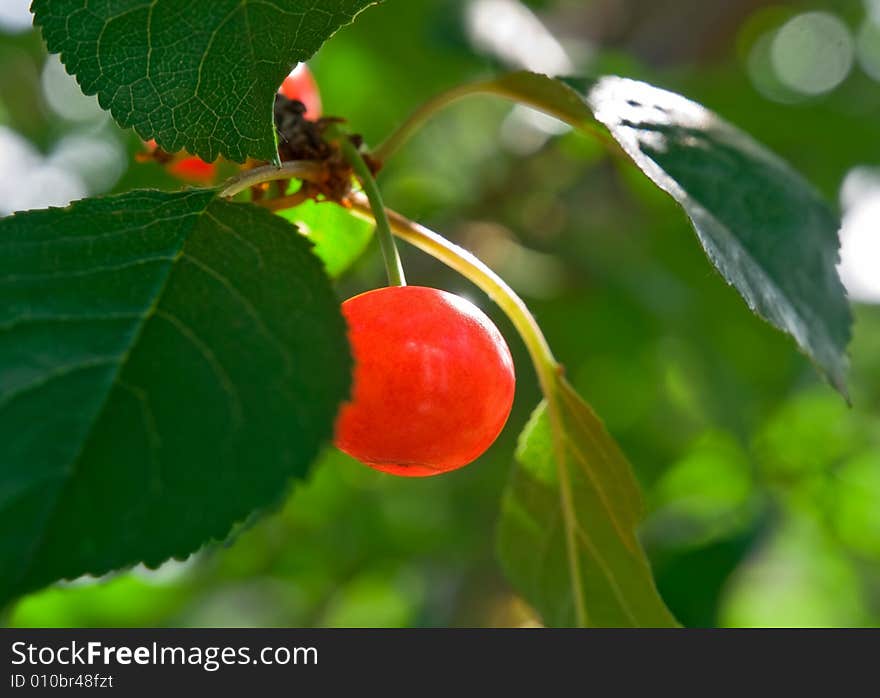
(433, 381)
(301, 86)
(187, 168)
(193, 169)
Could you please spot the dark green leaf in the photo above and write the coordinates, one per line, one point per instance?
(199, 75)
(762, 225)
(339, 237)
(168, 363)
(610, 577)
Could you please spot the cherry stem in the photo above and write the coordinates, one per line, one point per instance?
(393, 265)
(548, 370)
(546, 366)
(308, 170)
(476, 271)
(490, 87)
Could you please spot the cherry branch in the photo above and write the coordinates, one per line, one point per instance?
(308, 170)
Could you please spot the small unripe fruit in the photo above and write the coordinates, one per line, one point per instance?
(433, 381)
(301, 86)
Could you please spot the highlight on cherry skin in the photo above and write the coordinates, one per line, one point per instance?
(433, 381)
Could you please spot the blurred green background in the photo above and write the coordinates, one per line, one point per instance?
(763, 486)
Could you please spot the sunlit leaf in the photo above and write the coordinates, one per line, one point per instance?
(168, 363)
(339, 237)
(609, 581)
(762, 225)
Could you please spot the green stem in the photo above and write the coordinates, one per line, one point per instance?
(293, 169)
(424, 112)
(481, 275)
(393, 265)
(491, 87)
(545, 364)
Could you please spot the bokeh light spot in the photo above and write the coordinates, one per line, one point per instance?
(28, 181)
(859, 265)
(64, 96)
(813, 53)
(98, 160)
(868, 48)
(15, 16)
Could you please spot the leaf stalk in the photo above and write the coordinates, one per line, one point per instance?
(496, 88)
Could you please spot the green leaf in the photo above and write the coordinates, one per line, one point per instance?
(765, 228)
(608, 582)
(339, 237)
(762, 225)
(199, 75)
(168, 363)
